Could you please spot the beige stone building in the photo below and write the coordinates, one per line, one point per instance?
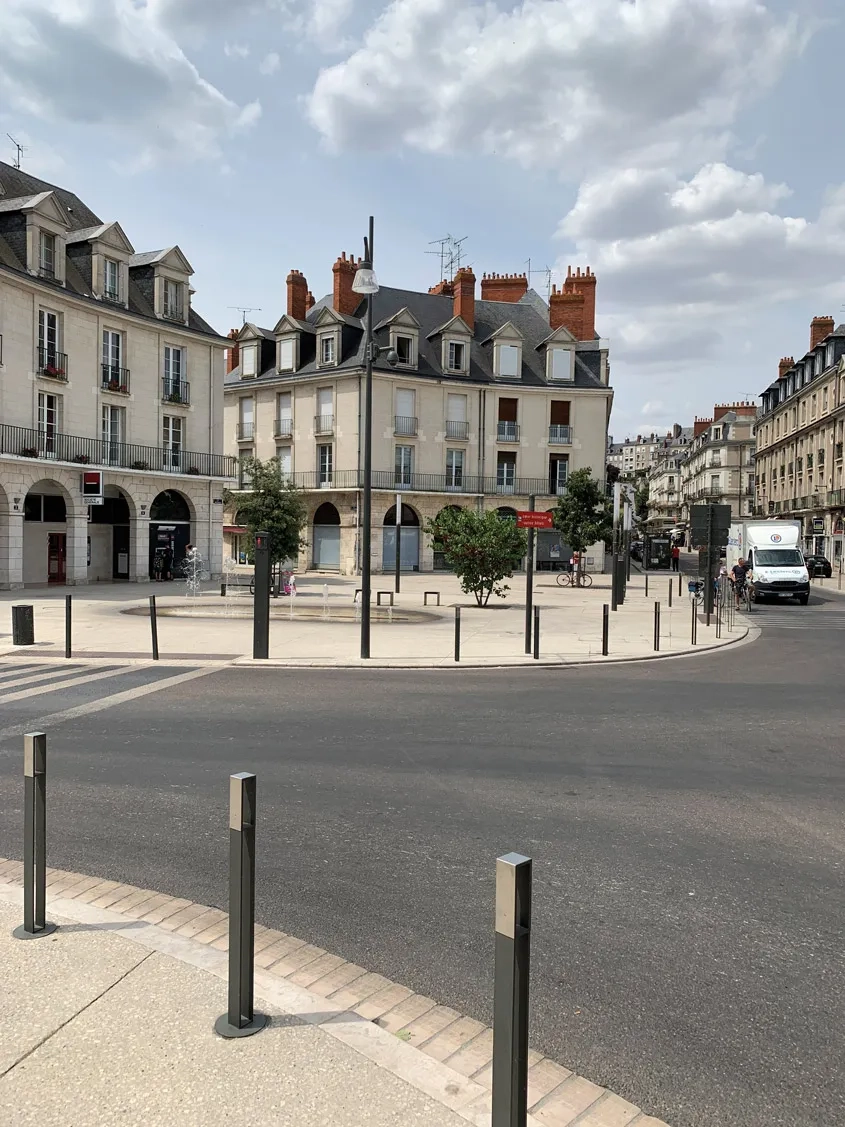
(635, 455)
(719, 468)
(800, 436)
(665, 496)
(492, 398)
(106, 370)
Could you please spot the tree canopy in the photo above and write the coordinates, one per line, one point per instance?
(584, 513)
(270, 505)
(481, 549)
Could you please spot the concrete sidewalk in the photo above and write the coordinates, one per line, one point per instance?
(110, 1020)
(320, 627)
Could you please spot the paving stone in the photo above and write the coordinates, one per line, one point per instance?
(135, 899)
(609, 1111)
(75, 891)
(11, 869)
(169, 907)
(214, 932)
(431, 1023)
(452, 1038)
(401, 1016)
(334, 980)
(567, 1102)
(113, 895)
(474, 1055)
(91, 894)
(543, 1077)
(275, 951)
(177, 919)
(295, 960)
(349, 996)
(315, 970)
(200, 923)
(379, 1003)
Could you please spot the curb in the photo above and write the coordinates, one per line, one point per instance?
(437, 1050)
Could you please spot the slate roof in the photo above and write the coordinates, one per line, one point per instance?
(529, 316)
(18, 188)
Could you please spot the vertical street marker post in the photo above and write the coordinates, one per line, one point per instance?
(510, 991)
(670, 594)
(241, 1020)
(261, 601)
(605, 629)
(34, 838)
(529, 578)
(457, 633)
(657, 626)
(154, 626)
(68, 625)
(536, 633)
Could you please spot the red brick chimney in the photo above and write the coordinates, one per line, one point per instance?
(566, 310)
(819, 328)
(503, 287)
(443, 289)
(344, 299)
(233, 354)
(309, 301)
(699, 426)
(463, 301)
(584, 284)
(785, 364)
(297, 295)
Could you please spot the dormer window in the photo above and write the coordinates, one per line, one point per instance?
(328, 350)
(559, 364)
(248, 360)
(404, 346)
(46, 254)
(287, 355)
(455, 356)
(111, 280)
(828, 354)
(173, 307)
(508, 360)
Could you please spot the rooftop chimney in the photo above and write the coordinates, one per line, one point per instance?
(699, 426)
(503, 287)
(233, 354)
(443, 288)
(310, 301)
(819, 328)
(297, 295)
(584, 284)
(344, 299)
(566, 311)
(463, 302)
(785, 364)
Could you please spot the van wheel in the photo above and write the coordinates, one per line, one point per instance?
(803, 600)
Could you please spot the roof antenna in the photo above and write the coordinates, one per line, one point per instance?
(546, 272)
(244, 309)
(450, 254)
(20, 150)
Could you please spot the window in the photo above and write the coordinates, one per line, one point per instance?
(508, 360)
(455, 356)
(820, 458)
(284, 454)
(717, 434)
(817, 363)
(48, 341)
(715, 483)
(325, 464)
(558, 472)
(560, 364)
(286, 355)
(172, 438)
(46, 254)
(456, 416)
(804, 411)
(246, 423)
(173, 300)
(327, 349)
(112, 352)
(405, 349)
(813, 406)
(405, 421)
(284, 414)
(454, 469)
(248, 360)
(111, 280)
(559, 421)
(325, 410)
(112, 434)
(245, 467)
(174, 389)
(507, 429)
(49, 407)
(47, 507)
(505, 473)
(404, 465)
(824, 399)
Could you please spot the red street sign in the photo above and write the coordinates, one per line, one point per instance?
(527, 519)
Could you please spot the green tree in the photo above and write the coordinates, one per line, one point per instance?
(641, 496)
(481, 549)
(584, 513)
(270, 505)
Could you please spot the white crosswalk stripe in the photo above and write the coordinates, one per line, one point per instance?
(771, 619)
(31, 681)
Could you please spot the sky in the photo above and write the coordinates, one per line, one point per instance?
(688, 151)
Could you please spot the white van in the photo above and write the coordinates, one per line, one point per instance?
(772, 550)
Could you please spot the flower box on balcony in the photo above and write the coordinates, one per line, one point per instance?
(194, 470)
(82, 459)
(28, 452)
(53, 372)
(113, 385)
(140, 465)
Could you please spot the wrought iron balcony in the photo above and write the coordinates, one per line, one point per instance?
(52, 364)
(25, 442)
(428, 483)
(456, 429)
(560, 435)
(507, 431)
(404, 425)
(115, 379)
(283, 428)
(246, 431)
(173, 311)
(175, 391)
(324, 424)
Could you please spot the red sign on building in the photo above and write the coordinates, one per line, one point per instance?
(526, 519)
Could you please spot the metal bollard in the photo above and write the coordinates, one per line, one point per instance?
(261, 601)
(154, 626)
(694, 627)
(657, 626)
(34, 838)
(680, 589)
(68, 625)
(646, 584)
(605, 629)
(240, 1020)
(670, 594)
(457, 633)
(223, 590)
(536, 633)
(614, 582)
(23, 625)
(510, 990)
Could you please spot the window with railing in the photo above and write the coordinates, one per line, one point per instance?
(46, 254)
(111, 280)
(404, 424)
(173, 306)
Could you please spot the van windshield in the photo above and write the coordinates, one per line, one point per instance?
(784, 557)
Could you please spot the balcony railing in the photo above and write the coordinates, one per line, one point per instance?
(560, 435)
(428, 483)
(283, 428)
(324, 424)
(175, 391)
(173, 311)
(507, 432)
(28, 443)
(456, 429)
(246, 431)
(52, 364)
(404, 425)
(115, 379)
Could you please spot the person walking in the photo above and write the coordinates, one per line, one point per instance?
(676, 557)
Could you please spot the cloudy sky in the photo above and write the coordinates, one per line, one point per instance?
(687, 150)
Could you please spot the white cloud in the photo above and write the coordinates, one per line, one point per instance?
(235, 50)
(270, 63)
(109, 64)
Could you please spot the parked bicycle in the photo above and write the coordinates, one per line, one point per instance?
(696, 590)
(574, 579)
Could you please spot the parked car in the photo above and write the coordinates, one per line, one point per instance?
(819, 565)
(637, 550)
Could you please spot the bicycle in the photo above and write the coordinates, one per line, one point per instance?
(745, 594)
(573, 579)
(696, 590)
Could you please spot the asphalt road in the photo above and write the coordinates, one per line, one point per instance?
(685, 818)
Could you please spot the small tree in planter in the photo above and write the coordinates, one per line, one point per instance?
(482, 550)
(271, 505)
(584, 513)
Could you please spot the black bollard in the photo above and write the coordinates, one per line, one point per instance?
(457, 633)
(657, 626)
(670, 594)
(68, 626)
(34, 839)
(536, 633)
(154, 626)
(605, 629)
(510, 990)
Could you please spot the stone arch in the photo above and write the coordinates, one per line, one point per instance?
(54, 547)
(409, 539)
(172, 529)
(409, 518)
(327, 514)
(172, 505)
(325, 544)
(506, 512)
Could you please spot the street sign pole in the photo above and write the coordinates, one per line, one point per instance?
(529, 579)
(261, 599)
(708, 588)
(398, 538)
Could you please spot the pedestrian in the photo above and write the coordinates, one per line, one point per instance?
(167, 564)
(676, 557)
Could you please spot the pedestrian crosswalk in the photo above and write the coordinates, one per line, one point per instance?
(23, 680)
(767, 617)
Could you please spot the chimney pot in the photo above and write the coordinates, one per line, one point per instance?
(297, 295)
(344, 298)
(463, 301)
(819, 329)
(233, 353)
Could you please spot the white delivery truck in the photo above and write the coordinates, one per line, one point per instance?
(772, 549)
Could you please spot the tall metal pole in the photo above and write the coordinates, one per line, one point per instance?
(398, 538)
(529, 579)
(261, 599)
(35, 923)
(366, 580)
(510, 990)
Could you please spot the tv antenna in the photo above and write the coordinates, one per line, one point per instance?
(244, 309)
(19, 151)
(450, 252)
(546, 272)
